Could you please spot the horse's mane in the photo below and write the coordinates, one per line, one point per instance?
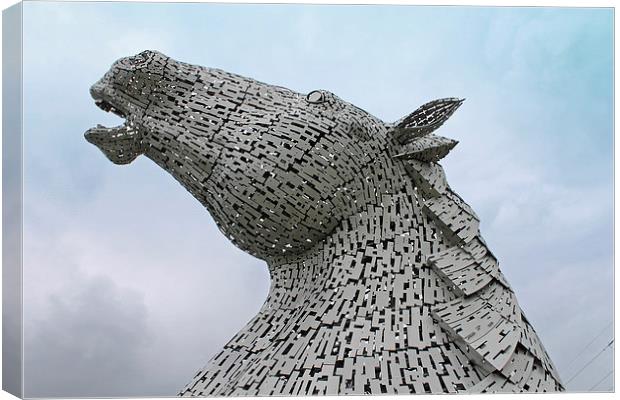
(483, 318)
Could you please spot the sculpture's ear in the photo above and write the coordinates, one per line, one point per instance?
(413, 133)
(425, 119)
(430, 148)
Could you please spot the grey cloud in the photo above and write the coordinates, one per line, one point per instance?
(90, 342)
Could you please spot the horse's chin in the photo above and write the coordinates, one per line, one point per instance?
(120, 144)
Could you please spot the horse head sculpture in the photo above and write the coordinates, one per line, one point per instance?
(381, 281)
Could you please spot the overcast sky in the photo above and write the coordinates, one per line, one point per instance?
(129, 286)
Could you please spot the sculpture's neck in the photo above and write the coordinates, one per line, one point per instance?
(370, 268)
(357, 293)
(366, 257)
(346, 261)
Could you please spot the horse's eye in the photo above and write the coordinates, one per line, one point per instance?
(315, 97)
